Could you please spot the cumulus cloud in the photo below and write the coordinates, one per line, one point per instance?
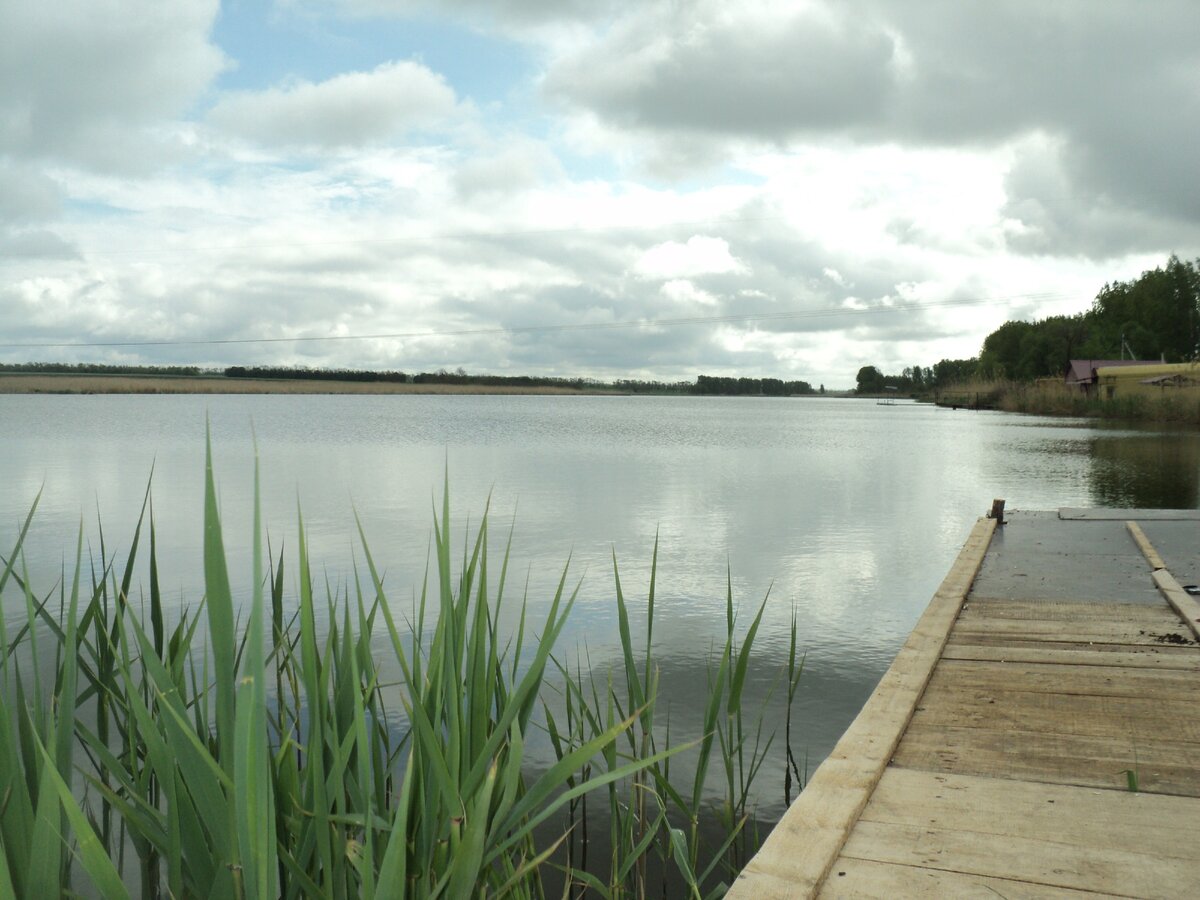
(684, 292)
(348, 110)
(1050, 211)
(823, 172)
(1113, 85)
(512, 13)
(514, 167)
(764, 71)
(89, 82)
(35, 244)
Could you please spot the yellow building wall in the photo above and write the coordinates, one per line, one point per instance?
(1117, 381)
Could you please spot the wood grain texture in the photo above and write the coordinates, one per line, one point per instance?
(1182, 602)
(866, 880)
(1017, 747)
(1053, 864)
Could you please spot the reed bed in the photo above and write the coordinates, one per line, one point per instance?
(1052, 398)
(251, 752)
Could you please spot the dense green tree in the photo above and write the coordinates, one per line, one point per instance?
(953, 371)
(1050, 346)
(870, 380)
(1157, 315)
(770, 387)
(1001, 354)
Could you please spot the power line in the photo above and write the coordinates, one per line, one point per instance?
(544, 329)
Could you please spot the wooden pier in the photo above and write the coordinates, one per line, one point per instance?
(1038, 735)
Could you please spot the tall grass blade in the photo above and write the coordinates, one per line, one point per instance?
(253, 801)
(91, 853)
(219, 600)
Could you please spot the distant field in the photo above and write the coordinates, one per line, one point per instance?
(166, 384)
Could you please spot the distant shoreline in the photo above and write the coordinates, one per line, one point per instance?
(42, 383)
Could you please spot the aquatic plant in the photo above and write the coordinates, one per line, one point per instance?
(255, 753)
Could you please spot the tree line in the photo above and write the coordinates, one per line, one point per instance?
(1153, 317)
(43, 368)
(704, 384)
(764, 387)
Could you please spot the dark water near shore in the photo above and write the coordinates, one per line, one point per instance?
(847, 512)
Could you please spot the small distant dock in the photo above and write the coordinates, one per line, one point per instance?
(1038, 735)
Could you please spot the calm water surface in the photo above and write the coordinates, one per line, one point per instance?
(846, 512)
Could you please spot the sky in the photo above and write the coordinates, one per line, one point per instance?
(604, 189)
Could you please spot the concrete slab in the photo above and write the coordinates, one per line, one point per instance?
(1040, 556)
(1178, 543)
(1097, 514)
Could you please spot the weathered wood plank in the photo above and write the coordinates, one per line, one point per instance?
(800, 849)
(1182, 602)
(1165, 767)
(867, 880)
(1137, 633)
(1009, 778)
(1064, 611)
(1075, 656)
(1131, 718)
(1051, 678)
(1103, 819)
(1053, 864)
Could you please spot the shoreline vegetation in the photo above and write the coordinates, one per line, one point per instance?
(55, 378)
(243, 750)
(1022, 365)
(1040, 398)
(1044, 398)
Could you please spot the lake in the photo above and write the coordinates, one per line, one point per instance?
(843, 511)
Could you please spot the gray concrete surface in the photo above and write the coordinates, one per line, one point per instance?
(1178, 543)
(1042, 556)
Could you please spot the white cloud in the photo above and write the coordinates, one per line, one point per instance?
(700, 255)
(349, 110)
(87, 81)
(683, 292)
(759, 69)
(515, 14)
(834, 275)
(761, 163)
(514, 167)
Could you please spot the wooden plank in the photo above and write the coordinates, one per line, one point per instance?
(1182, 602)
(1049, 863)
(868, 880)
(1064, 611)
(1119, 717)
(1164, 767)
(1049, 678)
(1187, 607)
(1154, 824)
(1138, 615)
(1162, 632)
(799, 851)
(1133, 656)
(1143, 542)
(1074, 656)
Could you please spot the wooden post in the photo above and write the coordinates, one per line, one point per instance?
(997, 512)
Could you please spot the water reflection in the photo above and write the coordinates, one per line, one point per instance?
(1154, 471)
(847, 513)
